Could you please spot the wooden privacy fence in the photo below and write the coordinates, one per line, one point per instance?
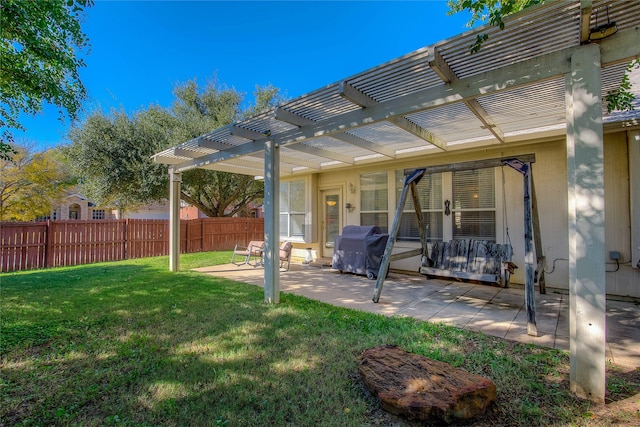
(26, 246)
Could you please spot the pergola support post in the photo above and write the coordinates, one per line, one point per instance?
(271, 222)
(585, 170)
(175, 182)
(633, 138)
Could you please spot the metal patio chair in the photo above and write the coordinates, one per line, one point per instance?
(252, 250)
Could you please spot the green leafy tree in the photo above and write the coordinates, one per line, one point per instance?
(198, 111)
(621, 99)
(488, 11)
(38, 61)
(112, 153)
(494, 11)
(31, 183)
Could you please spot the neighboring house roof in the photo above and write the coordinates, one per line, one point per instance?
(438, 98)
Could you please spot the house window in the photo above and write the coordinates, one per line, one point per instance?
(470, 196)
(97, 214)
(473, 206)
(74, 211)
(429, 191)
(374, 200)
(292, 209)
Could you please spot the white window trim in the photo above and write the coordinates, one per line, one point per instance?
(306, 223)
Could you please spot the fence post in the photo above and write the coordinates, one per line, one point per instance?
(186, 232)
(48, 257)
(201, 234)
(125, 239)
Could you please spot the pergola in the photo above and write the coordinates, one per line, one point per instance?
(544, 74)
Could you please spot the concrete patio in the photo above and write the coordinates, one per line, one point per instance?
(492, 310)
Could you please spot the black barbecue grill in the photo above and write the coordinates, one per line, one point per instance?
(359, 250)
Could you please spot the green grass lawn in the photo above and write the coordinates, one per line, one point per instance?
(130, 343)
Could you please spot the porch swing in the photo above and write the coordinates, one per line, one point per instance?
(471, 259)
(479, 260)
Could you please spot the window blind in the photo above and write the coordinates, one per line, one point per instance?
(374, 200)
(473, 205)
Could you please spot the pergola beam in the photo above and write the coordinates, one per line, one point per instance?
(352, 139)
(585, 20)
(292, 160)
(254, 165)
(357, 97)
(417, 130)
(212, 144)
(349, 92)
(247, 133)
(226, 167)
(191, 154)
(321, 152)
(440, 66)
(485, 118)
(297, 120)
(285, 115)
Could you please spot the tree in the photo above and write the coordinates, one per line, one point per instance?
(216, 193)
(490, 11)
(31, 183)
(38, 61)
(493, 12)
(112, 153)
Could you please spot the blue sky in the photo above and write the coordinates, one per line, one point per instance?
(141, 49)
